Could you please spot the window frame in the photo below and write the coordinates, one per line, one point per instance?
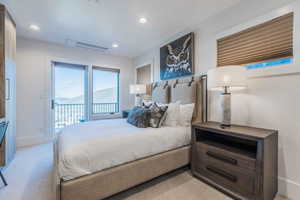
(95, 116)
(248, 65)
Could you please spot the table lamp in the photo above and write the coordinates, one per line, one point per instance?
(138, 90)
(226, 79)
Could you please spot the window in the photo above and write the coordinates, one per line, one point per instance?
(270, 63)
(267, 44)
(105, 90)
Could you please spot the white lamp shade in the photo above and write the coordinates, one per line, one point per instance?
(233, 77)
(138, 89)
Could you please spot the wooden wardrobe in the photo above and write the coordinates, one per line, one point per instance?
(7, 84)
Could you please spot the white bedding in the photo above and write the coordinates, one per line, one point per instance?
(93, 146)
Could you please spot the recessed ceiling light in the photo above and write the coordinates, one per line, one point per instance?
(34, 27)
(143, 20)
(115, 45)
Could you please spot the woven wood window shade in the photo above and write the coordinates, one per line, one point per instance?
(267, 41)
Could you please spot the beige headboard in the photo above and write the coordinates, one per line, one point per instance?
(185, 90)
(161, 93)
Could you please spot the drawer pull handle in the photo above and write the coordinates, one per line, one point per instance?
(222, 173)
(222, 158)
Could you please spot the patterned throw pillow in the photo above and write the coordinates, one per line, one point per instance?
(139, 117)
(158, 115)
(147, 104)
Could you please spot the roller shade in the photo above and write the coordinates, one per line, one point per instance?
(267, 41)
(106, 69)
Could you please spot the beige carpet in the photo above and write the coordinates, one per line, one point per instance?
(29, 178)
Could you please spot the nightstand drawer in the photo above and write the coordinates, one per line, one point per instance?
(224, 158)
(239, 182)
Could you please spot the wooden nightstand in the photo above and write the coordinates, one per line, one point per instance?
(240, 161)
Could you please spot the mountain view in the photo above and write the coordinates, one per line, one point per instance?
(108, 95)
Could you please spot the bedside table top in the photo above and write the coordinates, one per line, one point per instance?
(236, 129)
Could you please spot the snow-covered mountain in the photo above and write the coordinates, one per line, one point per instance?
(109, 95)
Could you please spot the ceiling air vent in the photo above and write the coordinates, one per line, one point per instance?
(90, 46)
(96, 1)
(74, 43)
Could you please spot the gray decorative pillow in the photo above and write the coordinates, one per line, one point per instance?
(139, 117)
(158, 115)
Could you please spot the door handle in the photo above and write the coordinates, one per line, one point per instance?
(8, 95)
(222, 158)
(222, 173)
(52, 104)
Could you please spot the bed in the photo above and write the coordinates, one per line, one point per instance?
(97, 159)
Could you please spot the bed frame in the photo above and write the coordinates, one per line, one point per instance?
(111, 181)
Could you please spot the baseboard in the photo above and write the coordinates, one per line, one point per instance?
(288, 188)
(31, 141)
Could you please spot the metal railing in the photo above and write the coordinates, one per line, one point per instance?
(68, 114)
(105, 108)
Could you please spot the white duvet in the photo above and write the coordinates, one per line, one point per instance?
(93, 146)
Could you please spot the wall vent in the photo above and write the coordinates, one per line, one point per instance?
(85, 45)
(91, 46)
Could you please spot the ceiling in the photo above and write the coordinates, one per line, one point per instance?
(112, 21)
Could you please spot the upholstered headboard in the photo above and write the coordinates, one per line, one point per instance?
(185, 90)
(161, 93)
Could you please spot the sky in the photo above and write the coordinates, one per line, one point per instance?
(69, 82)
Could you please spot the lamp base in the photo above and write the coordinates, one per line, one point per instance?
(138, 100)
(226, 109)
(223, 126)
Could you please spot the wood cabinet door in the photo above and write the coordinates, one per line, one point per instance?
(10, 86)
(10, 110)
(2, 62)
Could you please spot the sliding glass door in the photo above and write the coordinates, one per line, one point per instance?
(81, 93)
(70, 99)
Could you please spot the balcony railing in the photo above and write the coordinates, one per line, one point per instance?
(67, 114)
(105, 108)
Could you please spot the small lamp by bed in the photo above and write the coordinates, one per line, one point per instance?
(138, 90)
(226, 79)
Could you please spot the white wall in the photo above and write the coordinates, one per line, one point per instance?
(33, 80)
(270, 101)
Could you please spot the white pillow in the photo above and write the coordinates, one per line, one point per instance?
(186, 114)
(172, 118)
